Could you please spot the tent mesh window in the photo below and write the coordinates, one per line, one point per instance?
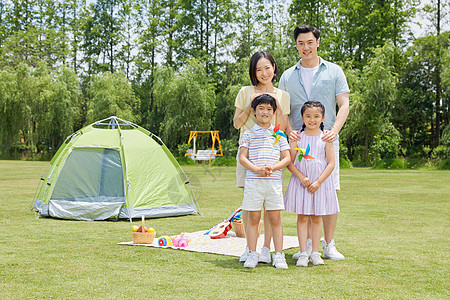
(91, 175)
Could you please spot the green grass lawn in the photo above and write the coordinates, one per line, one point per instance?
(393, 230)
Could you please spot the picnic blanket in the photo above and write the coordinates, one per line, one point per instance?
(230, 245)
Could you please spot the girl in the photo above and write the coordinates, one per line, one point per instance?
(263, 71)
(311, 192)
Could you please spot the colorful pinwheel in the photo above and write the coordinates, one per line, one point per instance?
(277, 134)
(304, 153)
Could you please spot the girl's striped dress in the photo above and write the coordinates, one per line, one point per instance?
(297, 198)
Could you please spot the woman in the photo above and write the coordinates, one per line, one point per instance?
(263, 71)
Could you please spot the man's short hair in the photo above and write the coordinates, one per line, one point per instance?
(264, 98)
(305, 28)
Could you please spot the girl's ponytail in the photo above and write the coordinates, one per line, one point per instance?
(304, 126)
(321, 126)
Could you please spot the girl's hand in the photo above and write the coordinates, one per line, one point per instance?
(305, 181)
(294, 136)
(313, 187)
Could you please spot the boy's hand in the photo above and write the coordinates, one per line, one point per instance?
(294, 136)
(313, 187)
(305, 181)
(261, 171)
(269, 170)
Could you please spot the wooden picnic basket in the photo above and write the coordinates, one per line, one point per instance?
(143, 237)
(238, 228)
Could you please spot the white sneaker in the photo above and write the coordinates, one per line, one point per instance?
(308, 250)
(264, 255)
(279, 261)
(303, 260)
(244, 255)
(330, 252)
(316, 259)
(252, 259)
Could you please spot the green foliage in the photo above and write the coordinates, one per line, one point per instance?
(390, 164)
(224, 113)
(229, 147)
(444, 164)
(445, 138)
(186, 99)
(416, 162)
(224, 161)
(182, 148)
(360, 159)
(440, 152)
(345, 163)
(370, 104)
(151, 43)
(34, 45)
(387, 143)
(184, 161)
(111, 95)
(38, 105)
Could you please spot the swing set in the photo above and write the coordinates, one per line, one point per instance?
(196, 154)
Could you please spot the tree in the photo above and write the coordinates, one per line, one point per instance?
(38, 105)
(185, 99)
(371, 102)
(63, 108)
(11, 108)
(364, 25)
(111, 95)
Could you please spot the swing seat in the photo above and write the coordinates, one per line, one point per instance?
(201, 154)
(196, 154)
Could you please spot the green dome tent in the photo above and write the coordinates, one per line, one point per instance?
(113, 169)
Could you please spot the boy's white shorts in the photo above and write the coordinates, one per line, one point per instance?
(262, 191)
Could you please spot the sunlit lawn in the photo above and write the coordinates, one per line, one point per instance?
(393, 230)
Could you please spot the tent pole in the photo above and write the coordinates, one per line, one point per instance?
(192, 191)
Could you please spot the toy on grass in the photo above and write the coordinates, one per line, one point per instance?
(277, 134)
(304, 153)
(165, 240)
(237, 217)
(221, 229)
(180, 241)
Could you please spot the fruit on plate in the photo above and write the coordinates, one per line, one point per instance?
(151, 229)
(140, 229)
(134, 228)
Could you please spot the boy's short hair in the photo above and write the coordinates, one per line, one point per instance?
(264, 98)
(305, 28)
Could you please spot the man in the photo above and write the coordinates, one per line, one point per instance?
(313, 78)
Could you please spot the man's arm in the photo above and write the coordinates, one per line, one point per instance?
(344, 108)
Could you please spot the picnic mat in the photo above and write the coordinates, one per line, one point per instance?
(229, 245)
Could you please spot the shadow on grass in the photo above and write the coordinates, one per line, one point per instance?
(233, 263)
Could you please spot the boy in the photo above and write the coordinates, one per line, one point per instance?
(263, 184)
